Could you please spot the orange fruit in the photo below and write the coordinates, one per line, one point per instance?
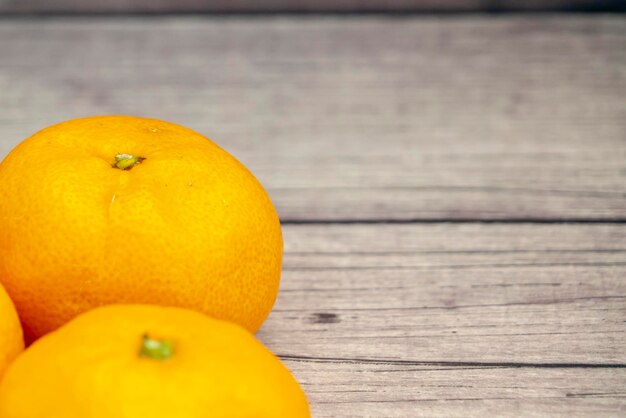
(137, 361)
(120, 209)
(11, 340)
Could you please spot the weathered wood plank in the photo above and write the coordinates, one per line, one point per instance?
(352, 389)
(454, 319)
(426, 118)
(264, 6)
(453, 292)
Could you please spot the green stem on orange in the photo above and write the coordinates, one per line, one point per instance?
(127, 161)
(156, 349)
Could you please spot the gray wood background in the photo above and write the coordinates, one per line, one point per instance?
(323, 6)
(453, 191)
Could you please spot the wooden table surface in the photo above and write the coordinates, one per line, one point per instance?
(452, 189)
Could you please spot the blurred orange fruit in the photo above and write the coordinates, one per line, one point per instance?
(137, 361)
(121, 209)
(11, 339)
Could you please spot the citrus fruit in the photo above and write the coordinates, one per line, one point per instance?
(137, 361)
(11, 340)
(120, 209)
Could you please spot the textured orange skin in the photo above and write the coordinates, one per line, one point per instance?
(190, 226)
(91, 368)
(11, 339)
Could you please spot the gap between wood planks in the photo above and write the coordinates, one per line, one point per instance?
(465, 364)
(453, 221)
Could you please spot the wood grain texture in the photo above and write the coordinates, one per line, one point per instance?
(344, 389)
(332, 6)
(454, 319)
(465, 293)
(366, 119)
